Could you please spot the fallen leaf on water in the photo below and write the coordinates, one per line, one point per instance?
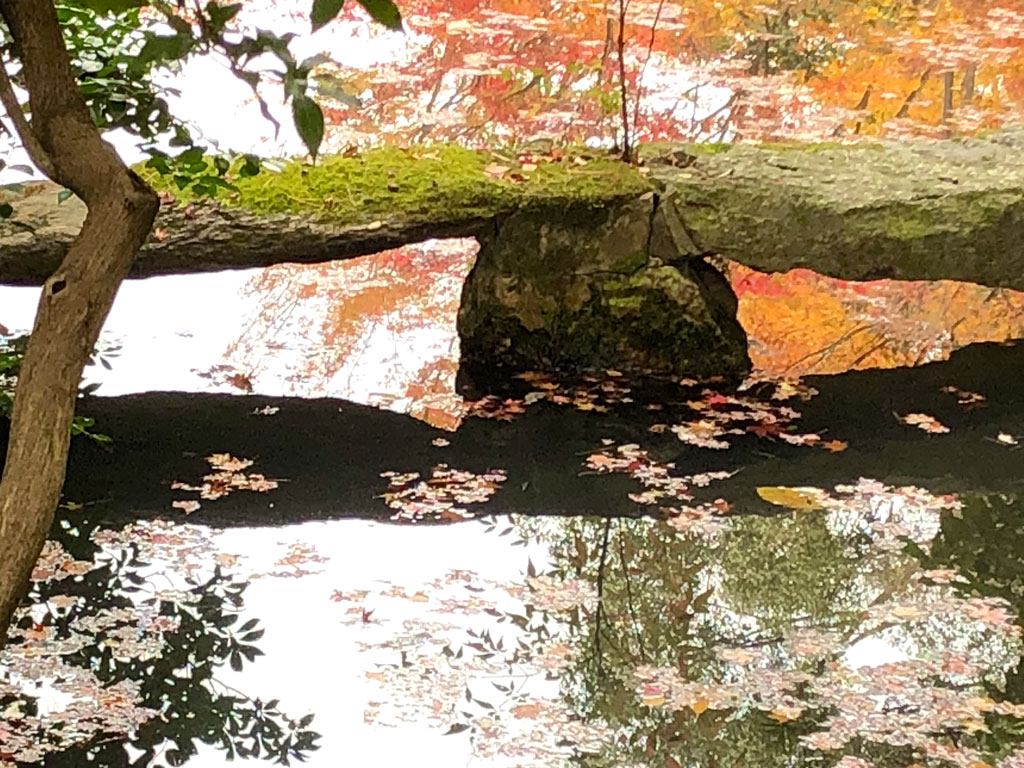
(1005, 438)
(738, 655)
(653, 699)
(440, 442)
(526, 710)
(785, 714)
(227, 462)
(188, 507)
(794, 498)
(964, 397)
(835, 446)
(923, 422)
(239, 381)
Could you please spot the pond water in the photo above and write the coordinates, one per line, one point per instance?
(592, 571)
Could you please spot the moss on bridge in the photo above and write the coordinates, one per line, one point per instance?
(425, 183)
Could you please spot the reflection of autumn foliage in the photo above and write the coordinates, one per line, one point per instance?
(380, 328)
(514, 69)
(801, 322)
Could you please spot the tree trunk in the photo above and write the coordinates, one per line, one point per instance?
(75, 300)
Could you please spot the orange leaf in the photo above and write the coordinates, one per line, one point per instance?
(526, 710)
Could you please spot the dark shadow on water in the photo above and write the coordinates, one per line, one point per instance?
(329, 454)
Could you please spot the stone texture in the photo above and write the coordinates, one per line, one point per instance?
(908, 210)
(207, 237)
(581, 291)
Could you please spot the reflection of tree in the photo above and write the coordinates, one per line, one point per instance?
(733, 649)
(984, 543)
(657, 590)
(156, 653)
(779, 568)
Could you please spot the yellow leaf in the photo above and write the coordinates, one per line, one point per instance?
(785, 714)
(700, 705)
(794, 498)
(653, 700)
(972, 725)
(496, 170)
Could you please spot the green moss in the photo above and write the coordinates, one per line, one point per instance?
(821, 146)
(420, 183)
(654, 321)
(631, 262)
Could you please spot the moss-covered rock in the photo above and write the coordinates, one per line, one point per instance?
(912, 210)
(420, 183)
(581, 291)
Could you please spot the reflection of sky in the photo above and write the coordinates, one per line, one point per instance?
(167, 326)
(313, 662)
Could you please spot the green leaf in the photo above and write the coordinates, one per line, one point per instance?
(309, 122)
(191, 155)
(159, 163)
(165, 48)
(64, 194)
(333, 88)
(6, 210)
(250, 166)
(323, 11)
(108, 6)
(384, 11)
(220, 15)
(179, 25)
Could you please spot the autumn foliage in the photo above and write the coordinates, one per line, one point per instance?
(478, 70)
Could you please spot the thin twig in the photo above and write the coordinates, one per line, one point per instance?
(643, 67)
(626, 153)
(914, 94)
(629, 595)
(600, 591)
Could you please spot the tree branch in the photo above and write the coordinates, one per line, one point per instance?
(21, 124)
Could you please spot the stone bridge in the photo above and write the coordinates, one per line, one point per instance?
(586, 262)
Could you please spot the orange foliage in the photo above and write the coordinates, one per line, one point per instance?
(800, 322)
(478, 70)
